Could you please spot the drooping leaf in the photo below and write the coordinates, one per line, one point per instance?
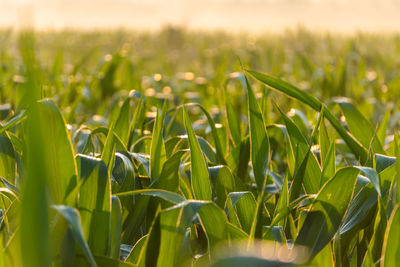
(72, 217)
(286, 88)
(166, 195)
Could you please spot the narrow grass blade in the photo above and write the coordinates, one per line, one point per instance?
(122, 123)
(200, 177)
(217, 141)
(259, 142)
(157, 154)
(233, 121)
(381, 132)
(107, 155)
(115, 227)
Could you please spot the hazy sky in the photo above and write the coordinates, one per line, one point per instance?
(254, 15)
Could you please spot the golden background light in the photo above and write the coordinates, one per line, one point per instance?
(236, 15)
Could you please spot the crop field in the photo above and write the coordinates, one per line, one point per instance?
(190, 148)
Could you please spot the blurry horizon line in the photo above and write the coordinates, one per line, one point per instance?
(259, 16)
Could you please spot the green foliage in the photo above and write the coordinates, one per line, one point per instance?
(111, 156)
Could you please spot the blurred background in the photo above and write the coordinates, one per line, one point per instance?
(233, 15)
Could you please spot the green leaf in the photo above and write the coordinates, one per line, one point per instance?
(359, 126)
(372, 176)
(397, 154)
(109, 262)
(329, 165)
(375, 245)
(95, 203)
(381, 133)
(245, 207)
(286, 88)
(7, 158)
(173, 223)
(327, 211)
(60, 167)
(383, 162)
(253, 261)
(237, 234)
(391, 245)
(107, 155)
(72, 217)
(200, 177)
(307, 169)
(134, 219)
(137, 251)
(233, 121)
(298, 179)
(12, 122)
(158, 154)
(324, 142)
(122, 124)
(224, 183)
(214, 223)
(143, 159)
(217, 141)
(115, 227)
(359, 210)
(324, 258)
(163, 194)
(169, 177)
(238, 160)
(137, 120)
(35, 233)
(259, 142)
(282, 206)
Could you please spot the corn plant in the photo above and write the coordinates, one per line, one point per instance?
(173, 175)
